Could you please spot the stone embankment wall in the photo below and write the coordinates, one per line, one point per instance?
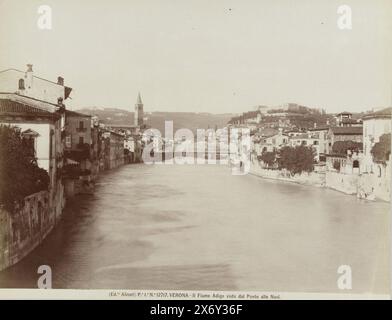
(372, 187)
(312, 178)
(24, 229)
(347, 183)
(365, 186)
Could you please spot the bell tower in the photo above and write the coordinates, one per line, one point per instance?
(139, 113)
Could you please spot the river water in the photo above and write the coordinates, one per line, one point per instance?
(201, 228)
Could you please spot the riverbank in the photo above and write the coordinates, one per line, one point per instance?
(364, 186)
(316, 179)
(27, 226)
(24, 229)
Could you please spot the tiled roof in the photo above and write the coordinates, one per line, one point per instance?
(10, 106)
(30, 132)
(344, 113)
(347, 130)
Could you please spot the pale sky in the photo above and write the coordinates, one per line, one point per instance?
(204, 55)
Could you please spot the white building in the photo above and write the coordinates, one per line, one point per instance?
(36, 104)
(25, 83)
(375, 125)
(314, 140)
(270, 143)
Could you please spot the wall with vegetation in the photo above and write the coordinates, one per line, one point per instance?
(305, 178)
(22, 230)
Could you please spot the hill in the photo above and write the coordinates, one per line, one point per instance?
(156, 120)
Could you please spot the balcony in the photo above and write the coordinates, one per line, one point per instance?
(81, 129)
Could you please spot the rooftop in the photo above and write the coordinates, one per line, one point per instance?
(344, 113)
(347, 130)
(67, 90)
(8, 106)
(351, 121)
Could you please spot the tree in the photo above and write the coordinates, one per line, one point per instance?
(268, 158)
(296, 159)
(381, 151)
(341, 147)
(20, 175)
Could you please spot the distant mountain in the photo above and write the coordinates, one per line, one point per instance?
(156, 120)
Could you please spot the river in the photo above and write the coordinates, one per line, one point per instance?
(201, 228)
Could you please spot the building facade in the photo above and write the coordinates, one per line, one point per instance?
(113, 149)
(375, 125)
(78, 138)
(314, 140)
(336, 134)
(270, 142)
(35, 106)
(25, 83)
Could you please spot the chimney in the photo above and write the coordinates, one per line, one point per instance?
(315, 125)
(29, 77)
(60, 81)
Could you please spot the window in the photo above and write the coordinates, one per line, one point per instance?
(81, 124)
(21, 84)
(81, 140)
(68, 141)
(30, 144)
(315, 142)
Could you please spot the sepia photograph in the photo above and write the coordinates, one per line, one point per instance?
(194, 149)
